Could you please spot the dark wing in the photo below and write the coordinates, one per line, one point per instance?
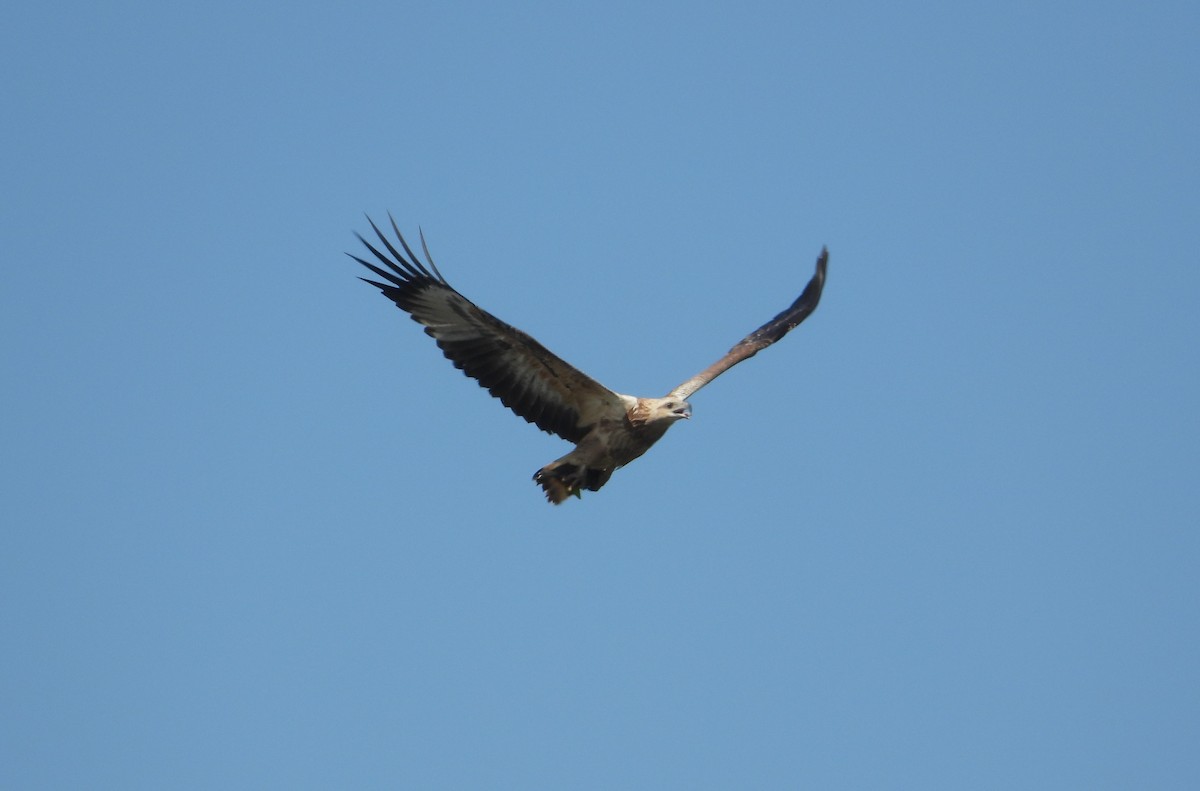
(523, 374)
(765, 335)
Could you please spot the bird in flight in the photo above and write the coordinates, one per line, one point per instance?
(609, 429)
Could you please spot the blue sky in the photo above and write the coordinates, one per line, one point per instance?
(258, 533)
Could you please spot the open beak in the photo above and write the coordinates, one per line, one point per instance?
(684, 412)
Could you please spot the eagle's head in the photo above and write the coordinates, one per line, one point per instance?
(668, 409)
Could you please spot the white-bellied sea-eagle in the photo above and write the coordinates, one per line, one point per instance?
(609, 429)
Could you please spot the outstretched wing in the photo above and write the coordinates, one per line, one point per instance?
(512, 366)
(765, 335)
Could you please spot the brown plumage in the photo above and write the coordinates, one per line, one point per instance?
(609, 429)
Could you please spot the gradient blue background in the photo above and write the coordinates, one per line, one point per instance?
(259, 534)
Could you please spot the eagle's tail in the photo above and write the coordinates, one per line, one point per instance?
(561, 479)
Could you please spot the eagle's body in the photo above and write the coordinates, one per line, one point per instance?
(611, 443)
(609, 429)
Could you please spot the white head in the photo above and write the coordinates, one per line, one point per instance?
(668, 409)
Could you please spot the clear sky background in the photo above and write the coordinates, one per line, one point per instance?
(257, 533)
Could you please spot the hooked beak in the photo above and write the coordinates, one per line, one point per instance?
(684, 412)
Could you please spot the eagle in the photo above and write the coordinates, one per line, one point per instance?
(609, 429)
